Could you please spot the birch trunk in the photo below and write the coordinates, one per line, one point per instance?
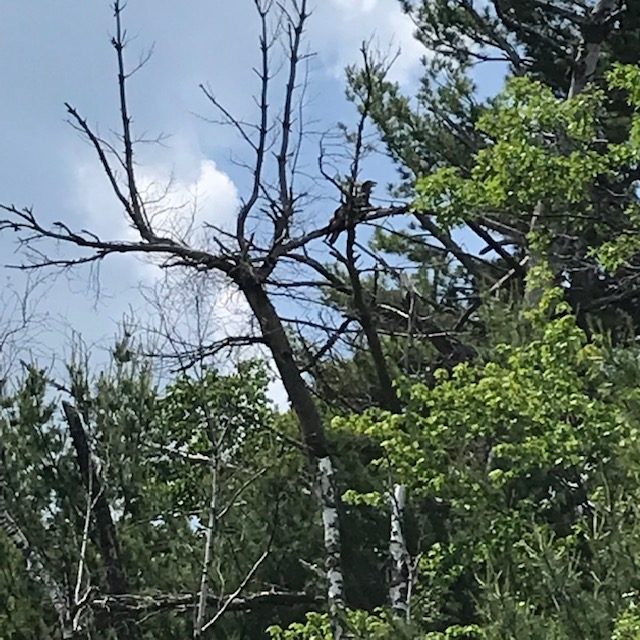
(399, 583)
(331, 525)
(208, 551)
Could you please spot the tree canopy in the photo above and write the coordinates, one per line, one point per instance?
(461, 455)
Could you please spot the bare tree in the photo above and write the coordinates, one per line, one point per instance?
(20, 322)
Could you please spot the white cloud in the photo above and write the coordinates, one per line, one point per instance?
(338, 28)
(356, 6)
(183, 204)
(233, 315)
(177, 205)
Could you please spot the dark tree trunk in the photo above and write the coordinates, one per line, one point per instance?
(107, 538)
(312, 435)
(276, 339)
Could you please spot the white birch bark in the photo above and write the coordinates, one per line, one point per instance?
(331, 526)
(399, 583)
(208, 551)
(77, 598)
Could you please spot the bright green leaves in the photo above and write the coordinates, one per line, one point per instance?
(614, 252)
(444, 192)
(316, 627)
(627, 78)
(361, 625)
(538, 148)
(543, 150)
(511, 456)
(628, 625)
(531, 410)
(370, 499)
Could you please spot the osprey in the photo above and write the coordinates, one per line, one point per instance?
(355, 205)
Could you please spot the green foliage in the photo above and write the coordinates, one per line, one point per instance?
(466, 156)
(522, 453)
(153, 444)
(360, 625)
(521, 472)
(615, 252)
(628, 625)
(21, 615)
(316, 627)
(538, 148)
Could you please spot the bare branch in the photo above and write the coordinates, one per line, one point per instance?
(329, 344)
(136, 205)
(131, 603)
(230, 599)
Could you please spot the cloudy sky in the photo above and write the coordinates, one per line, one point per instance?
(57, 52)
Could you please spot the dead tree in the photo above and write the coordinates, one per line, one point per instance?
(265, 235)
(107, 538)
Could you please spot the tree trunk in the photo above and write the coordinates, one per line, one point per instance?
(388, 397)
(331, 525)
(594, 33)
(107, 538)
(109, 547)
(201, 609)
(399, 583)
(312, 435)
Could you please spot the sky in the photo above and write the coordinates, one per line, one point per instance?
(58, 51)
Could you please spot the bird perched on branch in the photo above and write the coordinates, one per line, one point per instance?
(355, 204)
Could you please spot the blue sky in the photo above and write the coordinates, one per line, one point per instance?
(53, 52)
